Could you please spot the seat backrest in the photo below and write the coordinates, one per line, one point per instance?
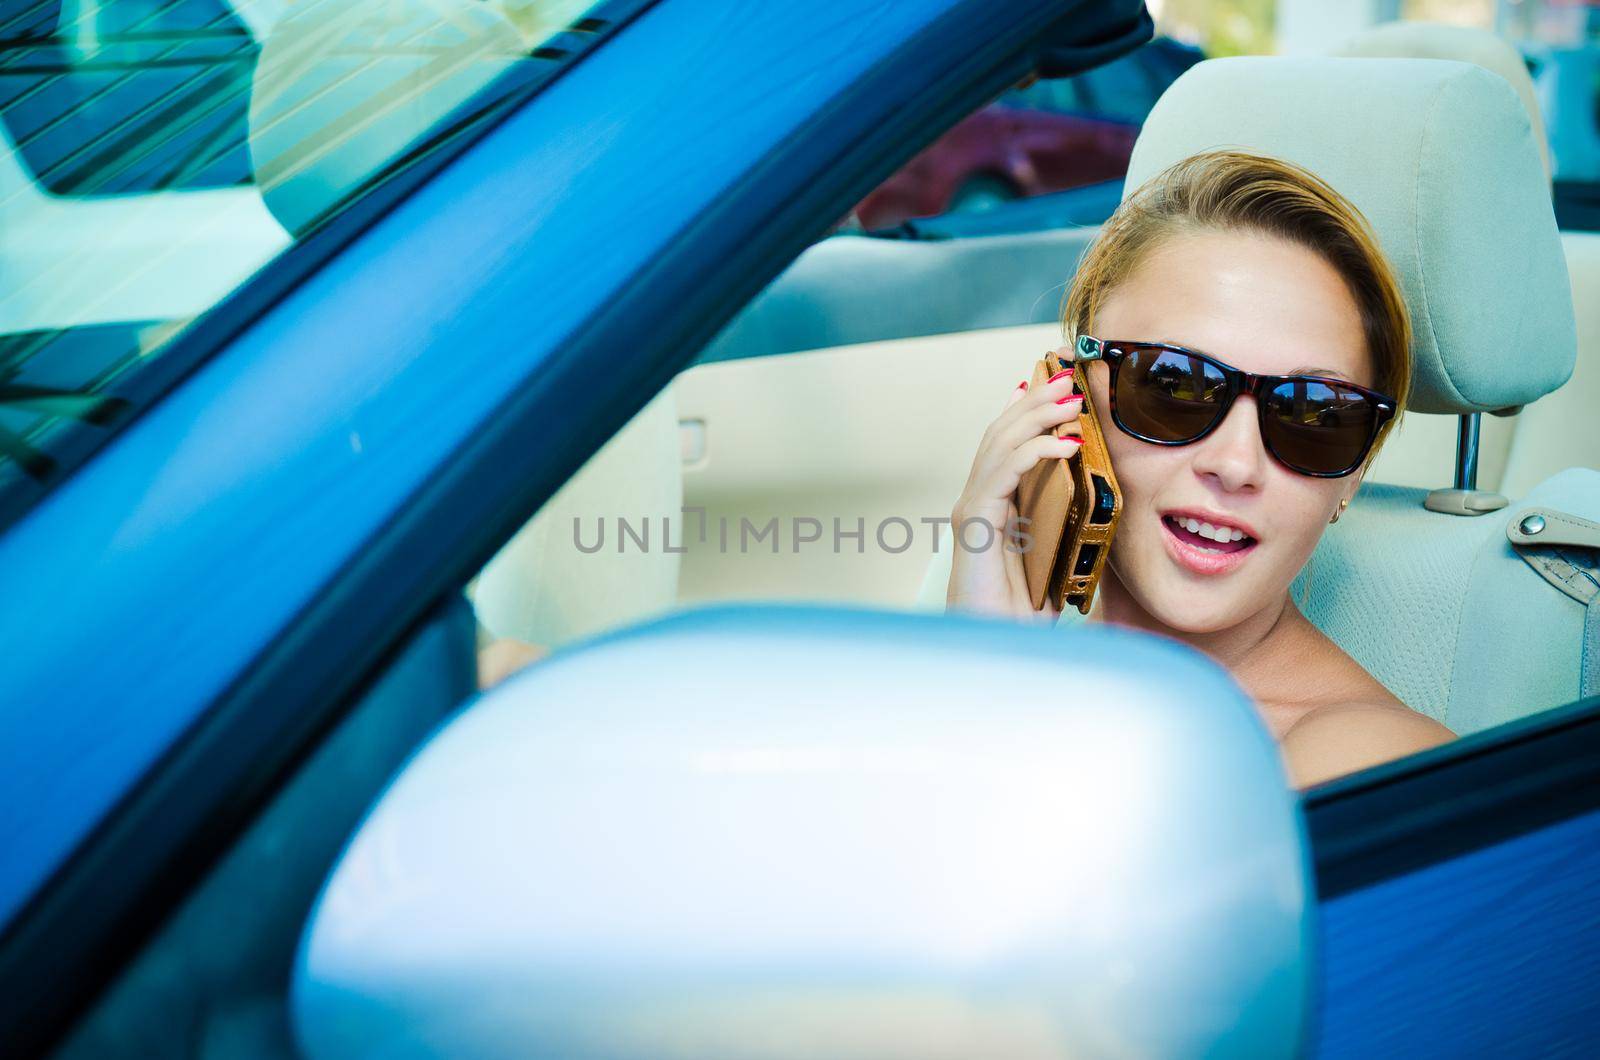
(1443, 608)
(1453, 184)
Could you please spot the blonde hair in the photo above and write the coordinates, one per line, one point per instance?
(1231, 190)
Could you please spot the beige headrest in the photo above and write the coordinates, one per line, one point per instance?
(1435, 40)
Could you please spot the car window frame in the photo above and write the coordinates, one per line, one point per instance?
(1476, 791)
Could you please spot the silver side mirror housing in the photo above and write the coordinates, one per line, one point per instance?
(775, 832)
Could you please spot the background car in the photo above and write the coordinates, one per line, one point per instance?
(1053, 135)
(1568, 83)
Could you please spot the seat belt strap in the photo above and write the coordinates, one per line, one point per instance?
(1565, 550)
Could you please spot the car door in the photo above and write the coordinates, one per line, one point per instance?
(200, 600)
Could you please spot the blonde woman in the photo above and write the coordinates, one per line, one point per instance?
(1247, 349)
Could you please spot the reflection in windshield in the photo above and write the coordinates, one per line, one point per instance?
(155, 154)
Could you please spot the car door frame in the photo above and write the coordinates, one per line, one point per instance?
(266, 685)
(1459, 895)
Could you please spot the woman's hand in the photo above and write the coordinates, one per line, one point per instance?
(1034, 426)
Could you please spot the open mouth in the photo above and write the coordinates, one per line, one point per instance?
(1218, 540)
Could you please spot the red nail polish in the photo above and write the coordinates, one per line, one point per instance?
(1022, 385)
(1069, 397)
(1058, 375)
(1072, 438)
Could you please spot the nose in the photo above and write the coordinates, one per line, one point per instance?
(1231, 458)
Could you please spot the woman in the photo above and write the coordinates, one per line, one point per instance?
(1227, 261)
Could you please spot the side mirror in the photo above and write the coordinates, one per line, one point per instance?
(798, 832)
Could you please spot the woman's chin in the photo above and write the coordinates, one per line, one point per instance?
(1200, 624)
(1183, 612)
(1172, 602)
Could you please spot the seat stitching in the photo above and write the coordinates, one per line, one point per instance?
(1569, 520)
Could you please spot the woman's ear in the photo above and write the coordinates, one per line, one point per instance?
(1348, 494)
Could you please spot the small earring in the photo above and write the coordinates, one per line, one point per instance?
(1340, 512)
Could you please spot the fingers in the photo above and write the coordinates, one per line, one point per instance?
(1027, 430)
(1061, 414)
(1025, 400)
(1002, 480)
(1049, 407)
(1018, 392)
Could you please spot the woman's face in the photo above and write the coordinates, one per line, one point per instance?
(1261, 304)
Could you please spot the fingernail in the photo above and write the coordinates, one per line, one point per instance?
(1069, 397)
(1072, 438)
(1058, 375)
(1022, 385)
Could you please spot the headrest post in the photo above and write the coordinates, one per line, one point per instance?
(1466, 498)
(1467, 451)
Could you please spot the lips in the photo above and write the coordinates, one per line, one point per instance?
(1202, 555)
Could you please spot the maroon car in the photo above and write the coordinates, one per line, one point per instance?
(1046, 137)
(1001, 153)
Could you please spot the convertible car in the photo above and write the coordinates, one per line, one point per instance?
(343, 340)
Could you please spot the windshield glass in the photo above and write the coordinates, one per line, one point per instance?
(155, 154)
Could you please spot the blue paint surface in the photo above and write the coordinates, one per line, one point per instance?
(144, 586)
(1496, 953)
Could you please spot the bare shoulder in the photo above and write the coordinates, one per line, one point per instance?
(1337, 739)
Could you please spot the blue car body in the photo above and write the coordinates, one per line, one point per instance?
(543, 296)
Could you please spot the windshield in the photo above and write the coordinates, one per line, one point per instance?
(156, 154)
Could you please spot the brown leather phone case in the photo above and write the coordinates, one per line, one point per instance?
(1070, 510)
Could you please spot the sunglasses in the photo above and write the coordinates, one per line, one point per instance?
(1167, 395)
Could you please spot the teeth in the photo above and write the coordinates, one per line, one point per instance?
(1215, 533)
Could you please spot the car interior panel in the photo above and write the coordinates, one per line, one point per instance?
(569, 572)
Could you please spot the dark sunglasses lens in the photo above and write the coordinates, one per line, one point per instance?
(1168, 396)
(1318, 427)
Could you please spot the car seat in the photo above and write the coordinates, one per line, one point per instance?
(1454, 613)
(1559, 430)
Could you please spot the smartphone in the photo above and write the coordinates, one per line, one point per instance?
(1068, 510)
